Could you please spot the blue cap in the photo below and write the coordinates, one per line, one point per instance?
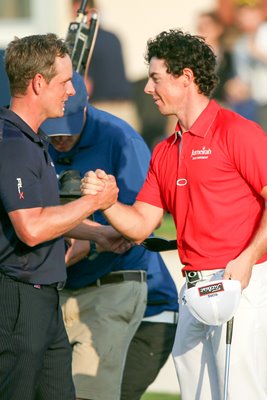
(72, 121)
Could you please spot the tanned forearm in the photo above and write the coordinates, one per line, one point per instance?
(258, 245)
(86, 230)
(135, 222)
(39, 225)
(241, 267)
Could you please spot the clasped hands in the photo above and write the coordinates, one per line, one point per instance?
(102, 185)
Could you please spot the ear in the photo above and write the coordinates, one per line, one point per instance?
(37, 83)
(188, 76)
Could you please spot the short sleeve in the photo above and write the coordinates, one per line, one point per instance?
(20, 169)
(151, 189)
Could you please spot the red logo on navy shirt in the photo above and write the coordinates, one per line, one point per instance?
(20, 191)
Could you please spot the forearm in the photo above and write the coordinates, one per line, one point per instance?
(258, 245)
(38, 225)
(241, 267)
(86, 230)
(134, 222)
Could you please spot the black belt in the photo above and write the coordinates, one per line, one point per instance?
(118, 277)
(56, 285)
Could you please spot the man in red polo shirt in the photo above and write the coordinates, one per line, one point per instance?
(211, 175)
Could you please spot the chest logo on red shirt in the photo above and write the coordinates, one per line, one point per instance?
(20, 191)
(201, 154)
(181, 182)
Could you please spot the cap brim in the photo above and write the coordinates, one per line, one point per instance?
(67, 125)
(214, 302)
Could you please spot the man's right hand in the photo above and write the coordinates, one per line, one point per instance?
(111, 240)
(103, 186)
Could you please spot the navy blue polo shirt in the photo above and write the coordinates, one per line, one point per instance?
(109, 143)
(27, 180)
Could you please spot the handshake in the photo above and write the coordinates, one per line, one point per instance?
(102, 185)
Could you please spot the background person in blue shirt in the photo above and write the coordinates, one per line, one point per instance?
(109, 314)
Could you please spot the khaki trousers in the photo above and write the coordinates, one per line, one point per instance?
(100, 323)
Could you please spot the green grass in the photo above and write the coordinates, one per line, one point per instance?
(167, 229)
(160, 396)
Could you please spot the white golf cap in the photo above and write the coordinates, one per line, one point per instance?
(214, 302)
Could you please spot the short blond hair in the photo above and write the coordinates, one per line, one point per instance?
(26, 57)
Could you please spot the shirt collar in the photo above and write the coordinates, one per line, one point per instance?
(204, 121)
(202, 124)
(177, 134)
(14, 119)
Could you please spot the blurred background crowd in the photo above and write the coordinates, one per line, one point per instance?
(235, 29)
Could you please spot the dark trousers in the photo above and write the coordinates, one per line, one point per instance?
(148, 352)
(35, 355)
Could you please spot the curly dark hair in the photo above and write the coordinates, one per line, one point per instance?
(182, 50)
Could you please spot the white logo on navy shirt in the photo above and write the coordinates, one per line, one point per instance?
(20, 191)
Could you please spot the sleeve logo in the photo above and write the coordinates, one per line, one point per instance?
(20, 191)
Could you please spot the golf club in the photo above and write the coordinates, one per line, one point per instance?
(229, 333)
(159, 244)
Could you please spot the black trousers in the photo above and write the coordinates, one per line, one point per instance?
(148, 352)
(35, 354)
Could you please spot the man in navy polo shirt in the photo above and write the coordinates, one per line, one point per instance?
(35, 355)
(101, 312)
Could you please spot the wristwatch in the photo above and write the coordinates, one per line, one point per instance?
(92, 252)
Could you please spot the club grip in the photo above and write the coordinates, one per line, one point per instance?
(229, 331)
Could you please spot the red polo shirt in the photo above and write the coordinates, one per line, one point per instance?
(210, 181)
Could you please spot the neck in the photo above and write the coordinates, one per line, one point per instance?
(27, 111)
(191, 112)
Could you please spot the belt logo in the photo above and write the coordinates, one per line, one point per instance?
(210, 289)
